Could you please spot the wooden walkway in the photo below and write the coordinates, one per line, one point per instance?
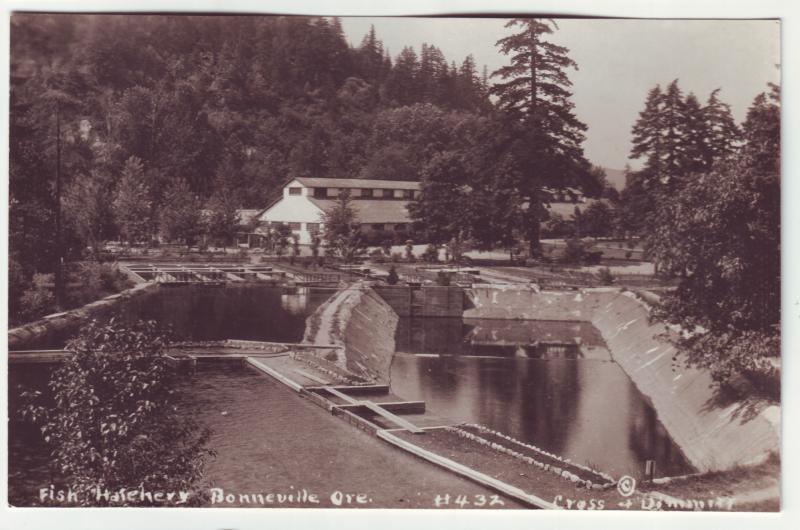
(203, 274)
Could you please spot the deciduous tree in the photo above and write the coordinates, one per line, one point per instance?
(341, 230)
(724, 246)
(181, 216)
(115, 420)
(133, 209)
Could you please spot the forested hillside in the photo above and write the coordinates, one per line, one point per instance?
(224, 107)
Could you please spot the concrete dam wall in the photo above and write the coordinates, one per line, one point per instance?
(713, 436)
(423, 301)
(363, 325)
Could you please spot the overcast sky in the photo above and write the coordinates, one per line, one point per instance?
(619, 61)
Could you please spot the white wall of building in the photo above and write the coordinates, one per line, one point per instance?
(295, 209)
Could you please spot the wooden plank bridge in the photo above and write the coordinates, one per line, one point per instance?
(180, 273)
(177, 273)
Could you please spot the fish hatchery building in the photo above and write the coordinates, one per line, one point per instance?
(379, 204)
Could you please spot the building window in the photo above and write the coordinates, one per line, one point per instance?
(417, 193)
(408, 194)
(400, 227)
(366, 193)
(320, 193)
(295, 191)
(377, 226)
(294, 226)
(312, 227)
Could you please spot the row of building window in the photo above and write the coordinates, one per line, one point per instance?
(366, 193)
(315, 227)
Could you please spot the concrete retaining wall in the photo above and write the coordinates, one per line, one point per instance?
(424, 301)
(369, 336)
(398, 297)
(363, 325)
(713, 436)
(57, 327)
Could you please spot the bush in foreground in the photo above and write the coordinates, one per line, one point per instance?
(115, 423)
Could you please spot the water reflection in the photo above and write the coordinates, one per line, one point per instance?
(588, 411)
(232, 312)
(200, 312)
(500, 338)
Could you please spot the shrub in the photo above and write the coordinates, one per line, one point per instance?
(410, 252)
(94, 281)
(574, 251)
(431, 254)
(592, 257)
(604, 276)
(386, 245)
(393, 278)
(556, 226)
(628, 254)
(115, 422)
(17, 285)
(39, 299)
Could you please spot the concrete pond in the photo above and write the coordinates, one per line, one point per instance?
(490, 393)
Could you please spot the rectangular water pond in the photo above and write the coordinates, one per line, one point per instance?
(586, 410)
(206, 313)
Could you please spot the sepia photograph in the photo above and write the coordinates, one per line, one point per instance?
(484, 262)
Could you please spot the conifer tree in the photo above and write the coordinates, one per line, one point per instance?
(723, 133)
(534, 93)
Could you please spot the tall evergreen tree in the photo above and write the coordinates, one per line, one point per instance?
(694, 137)
(679, 139)
(433, 73)
(723, 133)
(534, 94)
(723, 245)
(371, 58)
(658, 136)
(403, 83)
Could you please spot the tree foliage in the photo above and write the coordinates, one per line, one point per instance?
(115, 421)
(724, 246)
(133, 208)
(678, 139)
(254, 98)
(341, 229)
(534, 93)
(181, 216)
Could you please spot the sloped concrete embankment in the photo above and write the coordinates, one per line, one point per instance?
(53, 329)
(362, 324)
(713, 435)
